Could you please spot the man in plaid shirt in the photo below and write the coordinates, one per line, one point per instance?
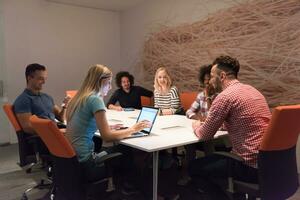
(246, 115)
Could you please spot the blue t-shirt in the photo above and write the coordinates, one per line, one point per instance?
(82, 127)
(41, 104)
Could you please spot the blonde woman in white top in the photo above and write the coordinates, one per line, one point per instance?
(166, 96)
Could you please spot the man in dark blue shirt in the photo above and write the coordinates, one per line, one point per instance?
(33, 102)
(128, 95)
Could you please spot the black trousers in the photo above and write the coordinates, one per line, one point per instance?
(93, 171)
(117, 166)
(210, 174)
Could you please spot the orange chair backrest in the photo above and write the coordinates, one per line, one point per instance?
(71, 93)
(146, 101)
(53, 138)
(283, 129)
(187, 98)
(9, 110)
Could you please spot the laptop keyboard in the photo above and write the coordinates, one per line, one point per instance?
(137, 133)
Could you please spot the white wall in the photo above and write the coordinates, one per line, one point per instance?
(5, 137)
(66, 39)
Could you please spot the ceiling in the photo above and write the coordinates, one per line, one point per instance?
(110, 5)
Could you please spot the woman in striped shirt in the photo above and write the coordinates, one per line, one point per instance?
(166, 96)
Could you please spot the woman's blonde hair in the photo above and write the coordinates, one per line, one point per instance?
(91, 84)
(157, 87)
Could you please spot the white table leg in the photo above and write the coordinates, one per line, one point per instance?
(155, 174)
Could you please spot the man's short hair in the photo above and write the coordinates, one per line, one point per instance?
(31, 68)
(203, 70)
(228, 64)
(122, 74)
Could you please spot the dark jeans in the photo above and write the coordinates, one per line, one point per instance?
(93, 171)
(210, 173)
(117, 166)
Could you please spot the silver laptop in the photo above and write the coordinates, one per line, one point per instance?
(149, 114)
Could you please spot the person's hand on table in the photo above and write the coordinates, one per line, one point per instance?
(166, 112)
(119, 108)
(198, 117)
(140, 126)
(196, 124)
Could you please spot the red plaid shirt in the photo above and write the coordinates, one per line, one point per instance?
(246, 115)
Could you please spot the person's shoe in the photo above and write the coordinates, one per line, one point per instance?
(110, 185)
(183, 181)
(200, 191)
(129, 189)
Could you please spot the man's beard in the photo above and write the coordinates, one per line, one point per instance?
(218, 88)
(215, 88)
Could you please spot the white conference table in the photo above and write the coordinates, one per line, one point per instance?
(167, 132)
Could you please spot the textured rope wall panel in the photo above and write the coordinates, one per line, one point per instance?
(264, 35)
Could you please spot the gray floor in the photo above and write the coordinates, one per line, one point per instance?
(14, 181)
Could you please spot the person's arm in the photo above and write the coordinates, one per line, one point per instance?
(112, 101)
(156, 104)
(108, 134)
(175, 102)
(23, 119)
(114, 107)
(155, 100)
(219, 110)
(192, 112)
(60, 113)
(22, 110)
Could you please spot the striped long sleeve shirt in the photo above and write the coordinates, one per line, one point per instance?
(169, 100)
(199, 106)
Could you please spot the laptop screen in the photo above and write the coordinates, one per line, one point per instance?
(149, 114)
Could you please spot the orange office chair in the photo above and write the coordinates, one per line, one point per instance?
(277, 166)
(69, 183)
(25, 151)
(146, 101)
(71, 93)
(28, 151)
(187, 98)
